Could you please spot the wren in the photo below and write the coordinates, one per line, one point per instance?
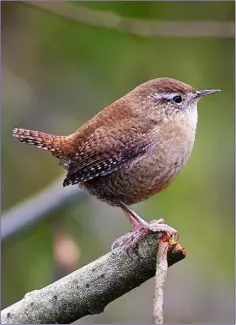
(130, 150)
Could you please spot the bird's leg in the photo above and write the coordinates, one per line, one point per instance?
(135, 220)
(140, 228)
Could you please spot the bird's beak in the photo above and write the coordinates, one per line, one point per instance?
(201, 93)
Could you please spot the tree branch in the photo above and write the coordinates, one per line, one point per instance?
(88, 290)
(140, 27)
(38, 206)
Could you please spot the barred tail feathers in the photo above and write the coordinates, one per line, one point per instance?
(41, 140)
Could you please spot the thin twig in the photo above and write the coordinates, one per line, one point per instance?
(140, 27)
(160, 278)
(90, 289)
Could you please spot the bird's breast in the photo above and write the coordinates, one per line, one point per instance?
(147, 174)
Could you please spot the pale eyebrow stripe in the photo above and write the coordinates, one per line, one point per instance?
(164, 95)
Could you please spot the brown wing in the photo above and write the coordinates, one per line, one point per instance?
(105, 151)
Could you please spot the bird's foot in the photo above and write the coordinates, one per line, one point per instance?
(138, 232)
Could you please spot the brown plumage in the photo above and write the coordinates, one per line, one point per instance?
(131, 149)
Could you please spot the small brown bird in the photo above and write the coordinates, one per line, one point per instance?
(131, 150)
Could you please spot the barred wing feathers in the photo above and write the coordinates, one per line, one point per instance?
(104, 152)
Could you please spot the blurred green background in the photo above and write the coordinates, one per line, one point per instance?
(56, 75)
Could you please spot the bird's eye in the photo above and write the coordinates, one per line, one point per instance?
(177, 99)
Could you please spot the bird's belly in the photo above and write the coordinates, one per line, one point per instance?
(134, 182)
(149, 173)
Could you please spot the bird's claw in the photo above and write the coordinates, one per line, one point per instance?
(130, 240)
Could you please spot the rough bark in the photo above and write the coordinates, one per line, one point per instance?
(88, 290)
